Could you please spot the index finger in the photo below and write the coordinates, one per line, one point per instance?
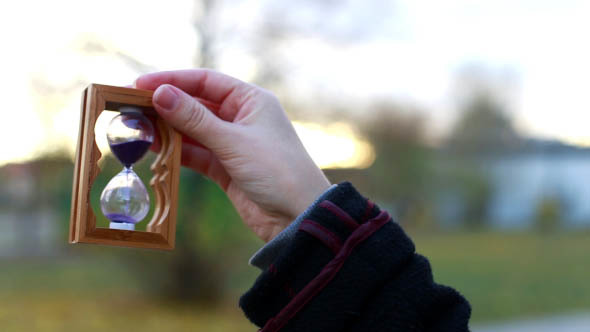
(206, 84)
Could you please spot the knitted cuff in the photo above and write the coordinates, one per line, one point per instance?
(269, 252)
(342, 251)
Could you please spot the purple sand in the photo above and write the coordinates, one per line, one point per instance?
(130, 152)
(120, 218)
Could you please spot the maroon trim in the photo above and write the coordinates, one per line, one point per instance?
(341, 214)
(326, 275)
(289, 290)
(368, 210)
(323, 234)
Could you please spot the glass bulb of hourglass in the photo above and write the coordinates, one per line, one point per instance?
(130, 135)
(125, 200)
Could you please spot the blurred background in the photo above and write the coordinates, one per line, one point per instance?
(467, 120)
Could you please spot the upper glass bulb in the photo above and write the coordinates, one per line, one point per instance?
(130, 135)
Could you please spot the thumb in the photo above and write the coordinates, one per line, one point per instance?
(187, 115)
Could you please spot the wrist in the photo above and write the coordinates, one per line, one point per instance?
(307, 193)
(300, 200)
(265, 255)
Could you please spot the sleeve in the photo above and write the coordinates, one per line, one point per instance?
(349, 267)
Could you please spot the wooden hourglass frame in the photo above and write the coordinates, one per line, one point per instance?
(160, 231)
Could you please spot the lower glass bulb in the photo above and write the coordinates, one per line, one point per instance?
(125, 200)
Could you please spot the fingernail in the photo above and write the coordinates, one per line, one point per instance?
(166, 98)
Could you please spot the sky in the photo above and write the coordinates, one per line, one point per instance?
(534, 52)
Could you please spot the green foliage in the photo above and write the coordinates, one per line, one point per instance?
(548, 214)
(401, 177)
(408, 177)
(483, 128)
(465, 178)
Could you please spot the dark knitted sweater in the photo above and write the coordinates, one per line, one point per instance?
(351, 268)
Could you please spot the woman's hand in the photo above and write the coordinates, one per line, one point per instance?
(242, 140)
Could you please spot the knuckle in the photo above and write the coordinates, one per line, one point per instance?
(263, 98)
(268, 95)
(195, 117)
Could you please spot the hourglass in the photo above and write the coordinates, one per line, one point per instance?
(125, 200)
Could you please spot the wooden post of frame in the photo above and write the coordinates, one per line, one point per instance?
(161, 229)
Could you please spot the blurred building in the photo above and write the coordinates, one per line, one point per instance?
(526, 184)
(522, 184)
(28, 227)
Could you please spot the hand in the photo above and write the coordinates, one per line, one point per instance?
(242, 140)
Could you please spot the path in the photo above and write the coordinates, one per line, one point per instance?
(579, 322)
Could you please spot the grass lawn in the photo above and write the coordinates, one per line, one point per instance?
(112, 312)
(507, 275)
(503, 275)
(97, 294)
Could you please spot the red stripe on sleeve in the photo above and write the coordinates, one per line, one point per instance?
(323, 234)
(326, 275)
(341, 214)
